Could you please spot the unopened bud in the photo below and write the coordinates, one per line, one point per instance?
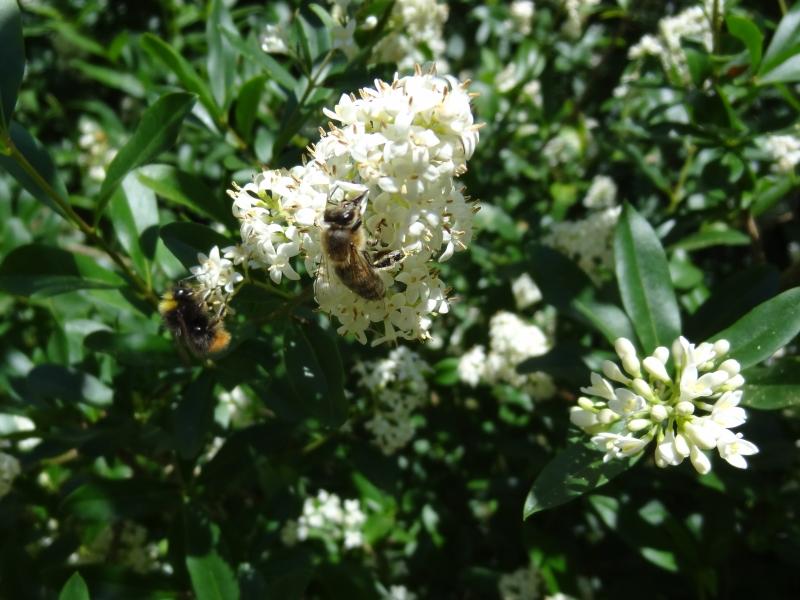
(731, 367)
(658, 413)
(656, 368)
(639, 424)
(613, 372)
(685, 408)
(640, 387)
(585, 403)
(721, 347)
(661, 354)
(624, 347)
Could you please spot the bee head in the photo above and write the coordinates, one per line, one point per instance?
(344, 215)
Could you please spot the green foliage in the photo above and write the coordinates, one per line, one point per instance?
(146, 472)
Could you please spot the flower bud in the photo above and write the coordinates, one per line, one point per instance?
(656, 368)
(677, 351)
(613, 372)
(721, 347)
(700, 461)
(607, 416)
(639, 424)
(631, 364)
(685, 408)
(734, 382)
(585, 403)
(658, 413)
(624, 347)
(661, 354)
(731, 367)
(640, 387)
(582, 418)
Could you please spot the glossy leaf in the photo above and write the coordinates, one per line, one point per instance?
(269, 65)
(732, 298)
(765, 329)
(37, 270)
(747, 31)
(315, 374)
(185, 189)
(46, 382)
(13, 65)
(194, 416)
(221, 55)
(183, 70)
(711, 236)
(773, 387)
(212, 578)
(247, 105)
(156, 132)
(574, 471)
(134, 214)
(186, 240)
(568, 288)
(113, 78)
(40, 160)
(74, 589)
(784, 45)
(644, 281)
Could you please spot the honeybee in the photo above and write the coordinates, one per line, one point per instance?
(189, 319)
(344, 246)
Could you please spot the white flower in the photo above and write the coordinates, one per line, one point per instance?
(526, 292)
(274, 40)
(414, 25)
(785, 151)
(602, 193)
(326, 518)
(472, 366)
(397, 387)
(522, 15)
(588, 241)
(577, 10)
(403, 143)
(687, 413)
(214, 272)
(97, 153)
(521, 584)
(9, 470)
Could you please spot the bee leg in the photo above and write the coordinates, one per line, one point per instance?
(388, 259)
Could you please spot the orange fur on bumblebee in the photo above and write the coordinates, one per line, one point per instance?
(190, 320)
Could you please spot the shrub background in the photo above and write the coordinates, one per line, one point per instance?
(159, 477)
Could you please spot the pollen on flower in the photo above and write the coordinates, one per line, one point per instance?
(403, 143)
(686, 412)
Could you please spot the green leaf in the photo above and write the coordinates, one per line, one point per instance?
(785, 42)
(113, 78)
(732, 298)
(748, 32)
(445, 372)
(315, 373)
(183, 70)
(774, 387)
(137, 348)
(786, 72)
(13, 65)
(134, 214)
(212, 577)
(38, 270)
(563, 362)
(75, 588)
(156, 132)
(575, 471)
(186, 189)
(765, 329)
(644, 281)
(568, 288)
(48, 381)
(221, 56)
(249, 48)
(40, 160)
(715, 235)
(186, 240)
(194, 416)
(247, 105)
(103, 501)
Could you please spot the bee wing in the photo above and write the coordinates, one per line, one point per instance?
(359, 264)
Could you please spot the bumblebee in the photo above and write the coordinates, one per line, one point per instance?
(344, 246)
(189, 319)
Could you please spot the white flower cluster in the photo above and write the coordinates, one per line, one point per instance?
(693, 23)
(234, 408)
(397, 592)
(589, 241)
(9, 470)
(404, 143)
(522, 584)
(785, 151)
(328, 519)
(415, 28)
(564, 148)
(526, 292)
(97, 152)
(685, 415)
(215, 276)
(124, 544)
(398, 387)
(522, 12)
(577, 10)
(511, 341)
